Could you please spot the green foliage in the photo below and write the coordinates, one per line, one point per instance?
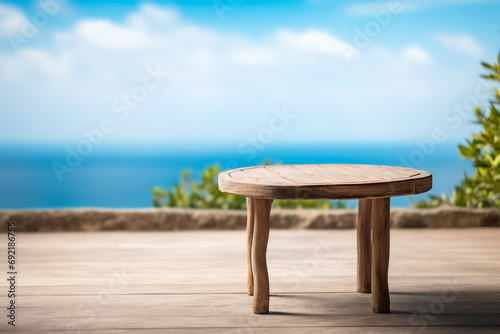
(432, 202)
(205, 194)
(483, 188)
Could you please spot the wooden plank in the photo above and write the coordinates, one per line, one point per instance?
(195, 282)
(284, 320)
(458, 300)
(295, 175)
(311, 329)
(394, 173)
(319, 171)
(350, 173)
(241, 176)
(262, 174)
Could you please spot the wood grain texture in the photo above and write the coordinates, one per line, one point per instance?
(261, 211)
(194, 282)
(380, 255)
(324, 181)
(250, 224)
(364, 245)
(373, 185)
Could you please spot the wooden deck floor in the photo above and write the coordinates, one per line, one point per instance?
(194, 282)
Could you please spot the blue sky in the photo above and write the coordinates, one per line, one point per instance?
(219, 72)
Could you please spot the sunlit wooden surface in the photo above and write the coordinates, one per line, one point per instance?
(442, 281)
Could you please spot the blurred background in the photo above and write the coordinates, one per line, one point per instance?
(101, 101)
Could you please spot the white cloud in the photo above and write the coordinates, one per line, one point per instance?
(462, 43)
(11, 19)
(313, 41)
(222, 86)
(44, 63)
(415, 53)
(150, 11)
(253, 56)
(105, 34)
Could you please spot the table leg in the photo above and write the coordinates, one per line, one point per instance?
(261, 214)
(380, 254)
(250, 220)
(364, 230)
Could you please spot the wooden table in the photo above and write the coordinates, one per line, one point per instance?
(372, 185)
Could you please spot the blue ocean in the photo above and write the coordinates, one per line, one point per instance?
(121, 176)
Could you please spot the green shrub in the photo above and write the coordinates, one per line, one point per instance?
(205, 194)
(483, 188)
(432, 202)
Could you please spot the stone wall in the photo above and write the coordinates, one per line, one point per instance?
(170, 219)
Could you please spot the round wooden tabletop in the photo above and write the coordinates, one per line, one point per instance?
(325, 181)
